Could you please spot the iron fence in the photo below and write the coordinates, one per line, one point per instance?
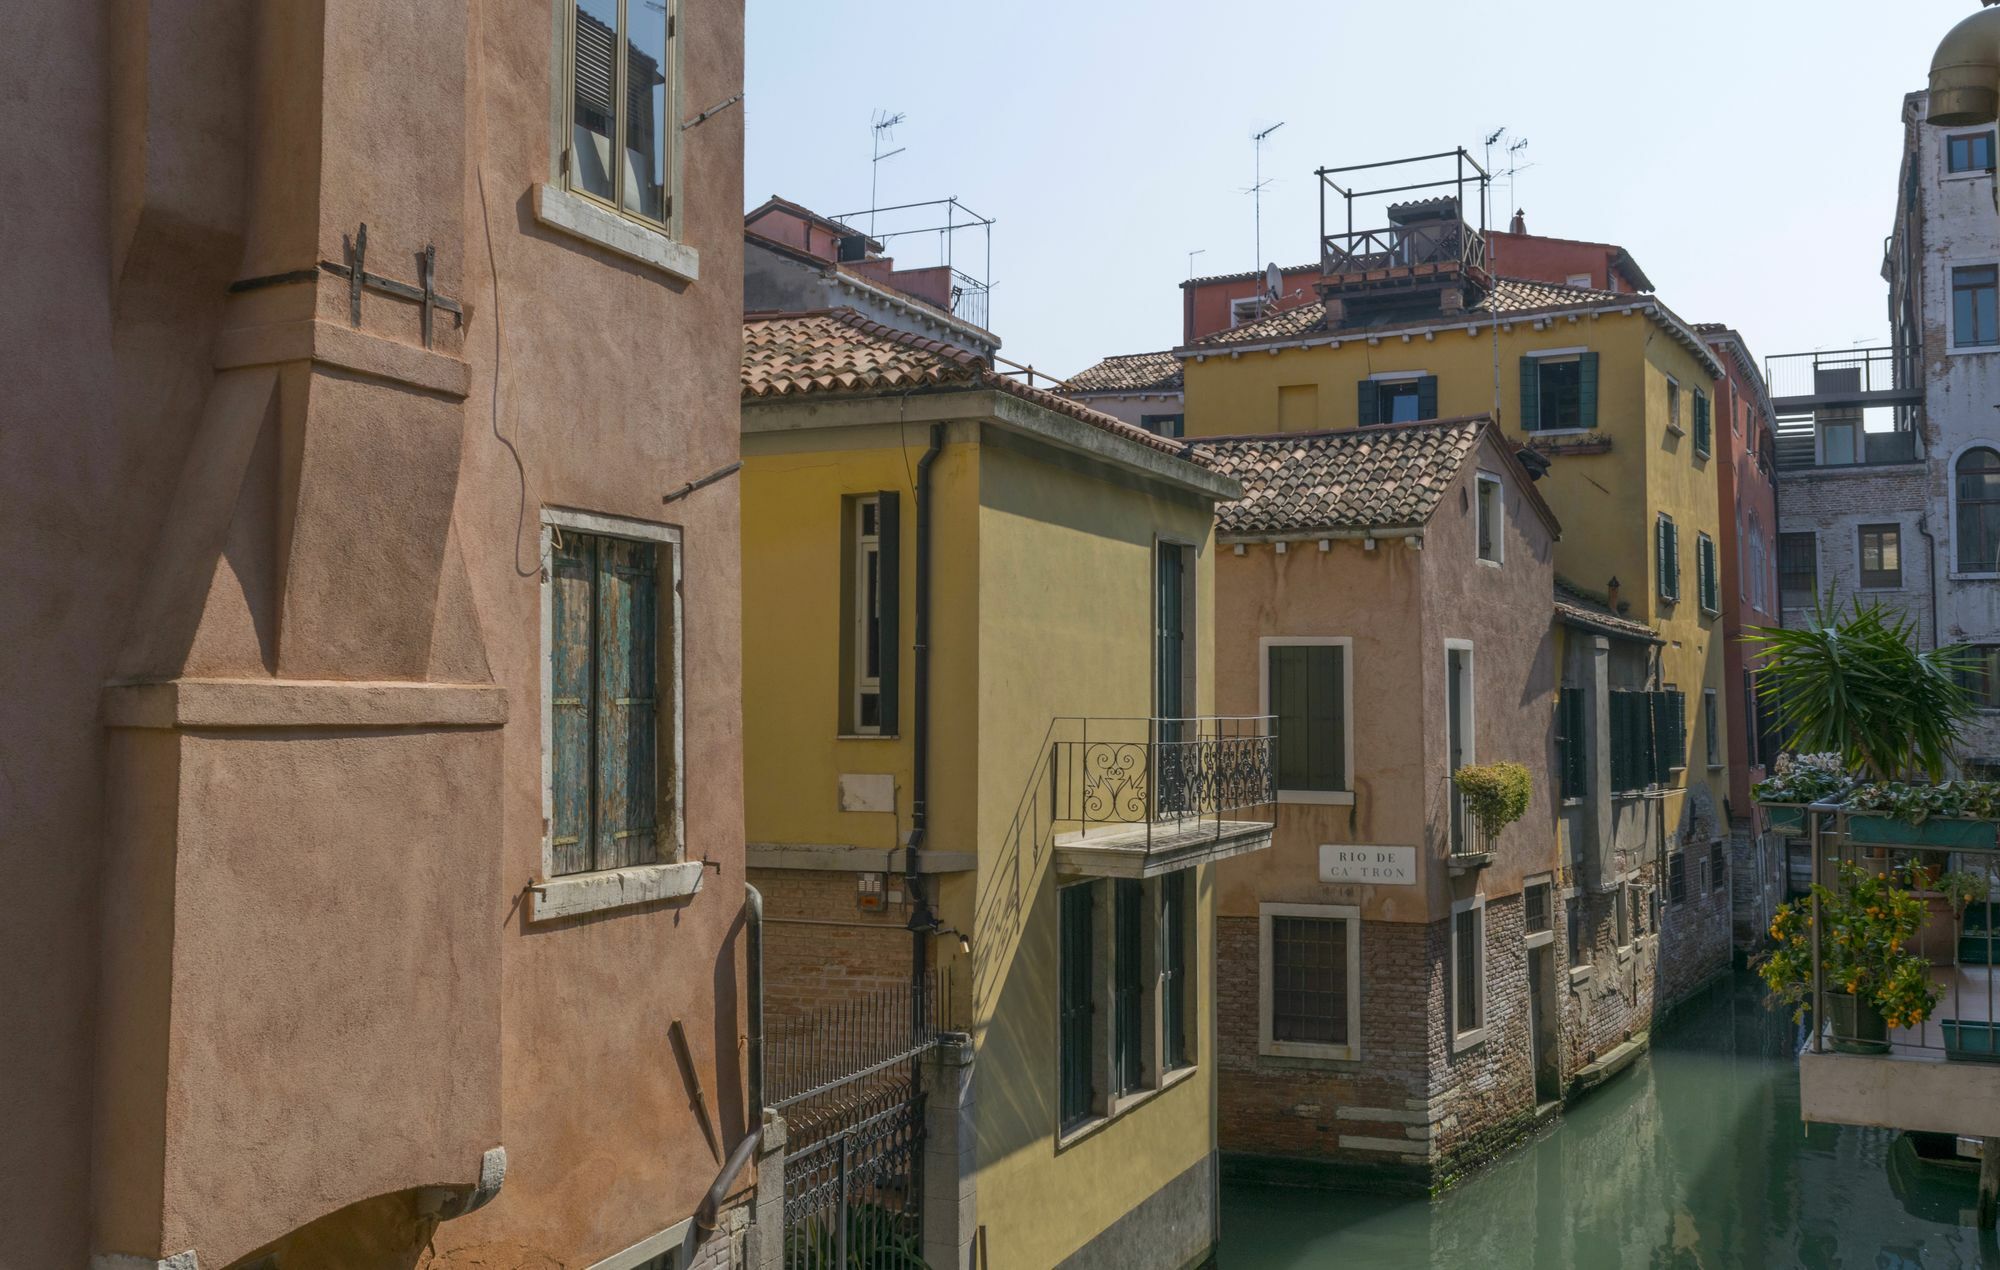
(1962, 948)
(1152, 771)
(815, 1055)
(1845, 370)
(853, 1198)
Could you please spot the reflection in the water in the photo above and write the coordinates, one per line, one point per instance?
(1694, 1158)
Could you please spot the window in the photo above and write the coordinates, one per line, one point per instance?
(1798, 569)
(1398, 399)
(613, 697)
(1177, 951)
(1969, 152)
(1708, 579)
(620, 89)
(1537, 916)
(1128, 988)
(1670, 742)
(1572, 741)
(1704, 425)
(1559, 391)
(1246, 310)
(1173, 425)
(1078, 1005)
(1648, 737)
(1492, 528)
(1573, 908)
(1758, 587)
(1718, 867)
(1711, 727)
(1981, 675)
(1621, 917)
(1975, 323)
(1976, 494)
(1752, 748)
(1580, 280)
(1309, 994)
(1673, 405)
(1677, 877)
(1667, 557)
(1459, 736)
(1307, 687)
(668, 1260)
(1468, 971)
(869, 639)
(1637, 896)
(1881, 557)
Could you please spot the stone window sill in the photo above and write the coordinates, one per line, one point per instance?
(579, 893)
(1579, 974)
(1462, 1041)
(594, 223)
(1122, 1106)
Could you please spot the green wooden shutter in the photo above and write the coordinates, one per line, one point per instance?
(1701, 421)
(1367, 403)
(1128, 896)
(1427, 397)
(572, 569)
(1306, 686)
(1574, 735)
(1660, 555)
(627, 708)
(1586, 390)
(1531, 394)
(1674, 557)
(1173, 970)
(1077, 972)
(889, 577)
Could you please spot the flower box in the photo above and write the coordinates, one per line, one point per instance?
(1786, 818)
(1941, 832)
(1971, 1041)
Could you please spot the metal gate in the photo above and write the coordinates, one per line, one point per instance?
(849, 1081)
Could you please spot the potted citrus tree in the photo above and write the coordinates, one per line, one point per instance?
(1874, 981)
(1496, 795)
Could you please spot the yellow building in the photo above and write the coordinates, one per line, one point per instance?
(1612, 391)
(977, 649)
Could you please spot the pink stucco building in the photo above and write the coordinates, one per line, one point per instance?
(371, 764)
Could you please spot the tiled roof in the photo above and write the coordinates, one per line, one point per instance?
(1578, 609)
(1509, 295)
(1248, 275)
(1356, 478)
(840, 351)
(1130, 372)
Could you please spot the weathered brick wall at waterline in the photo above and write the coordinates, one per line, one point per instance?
(1611, 987)
(1695, 934)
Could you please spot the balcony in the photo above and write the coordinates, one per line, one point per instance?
(1409, 251)
(1801, 383)
(1942, 1075)
(1841, 439)
(1139, 797)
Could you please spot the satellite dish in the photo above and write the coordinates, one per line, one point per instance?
(1274, 280)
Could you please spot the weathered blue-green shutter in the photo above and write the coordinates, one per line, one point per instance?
(889, 642)
(1368, 403)
(627, 812)
(1427, 397)
(1306, 695)
(1586, 390)
(1531, 393)
(572, 569)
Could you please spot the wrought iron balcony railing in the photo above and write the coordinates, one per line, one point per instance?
(1161, 772)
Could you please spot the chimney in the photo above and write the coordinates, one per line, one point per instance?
(1520, 223)
(1611, 596)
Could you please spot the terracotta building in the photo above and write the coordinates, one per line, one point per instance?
(372, 750)
(1392, 980)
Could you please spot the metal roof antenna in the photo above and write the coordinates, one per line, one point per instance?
(882, 126)
(1256, 190)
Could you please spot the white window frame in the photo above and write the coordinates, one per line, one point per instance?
(1538, 939)
(864, 545)
(669, 1240)
(1466, 1038)
(572, 894)
(1470, 704)
(1324, 797)
(1584, 281)
(1266, 1045)
(1481, 481)
(1674, 407)
(1950, 306)
(1969, 174)
(1258, 312)
(1951, 506)
(1897, 525)
(1571, 354)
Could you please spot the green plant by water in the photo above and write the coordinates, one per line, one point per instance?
(1867, 920)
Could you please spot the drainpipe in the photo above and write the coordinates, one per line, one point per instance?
(1965, 72)
(922, 919)
(1930, 552)
(708, 1215)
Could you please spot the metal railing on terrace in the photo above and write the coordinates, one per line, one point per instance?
(1841, 437)
(1963, 949)
(1432, 242)
(1161, 772)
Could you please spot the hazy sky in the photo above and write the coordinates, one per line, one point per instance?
(1745, 151)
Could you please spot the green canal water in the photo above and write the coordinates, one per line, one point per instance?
(1695, 1157)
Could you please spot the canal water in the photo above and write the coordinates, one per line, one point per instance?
(1694, 1157)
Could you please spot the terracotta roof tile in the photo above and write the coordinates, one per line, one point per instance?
(841, 351)
(1356, 478)
(1129, 372)
(1579, 609)
(1509, 295)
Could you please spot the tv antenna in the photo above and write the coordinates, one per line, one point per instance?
(1256, 190)
(883, 126)
(1191, 255)
(1511, 148)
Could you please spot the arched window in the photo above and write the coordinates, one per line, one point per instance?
(1759, 587)
(1978, 493)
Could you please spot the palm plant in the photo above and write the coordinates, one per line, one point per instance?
(1858, 685)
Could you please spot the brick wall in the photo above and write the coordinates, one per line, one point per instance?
(1610, 997)
(1757, 887)
(821, 946)
(1833, 502)
(1695, 935)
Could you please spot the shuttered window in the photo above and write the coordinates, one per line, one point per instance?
(1176, 983)
(1559, 392)
(1468, 969)
(1669, 708)
(1708, 581)
(1078, 971)
(611, 779)
(1409, 399)
(1667, 552)
(1798, 569)
(1648, 737)
(1306, 689)
(1704, 426)
(1128, 987)
(1718, 867)
(1572, 740)
(619, 92)
(1677, 877)
(871, 641)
